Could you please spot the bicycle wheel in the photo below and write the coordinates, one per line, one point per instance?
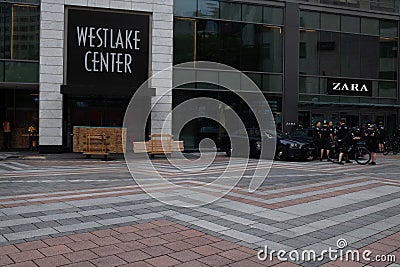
(362, 155)
(395, 148)
(386, 148)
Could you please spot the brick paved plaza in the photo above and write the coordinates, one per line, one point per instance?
(69, 211)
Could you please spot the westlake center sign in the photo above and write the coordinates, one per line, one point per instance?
(349, 87)
(107, 48)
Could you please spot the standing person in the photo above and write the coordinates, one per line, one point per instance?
(381, 137)
(344, 145)
(7, 134)
(32, 131)
(371, 136)
(317, 138)
(325, 143)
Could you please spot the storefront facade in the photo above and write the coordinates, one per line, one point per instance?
(313, 60)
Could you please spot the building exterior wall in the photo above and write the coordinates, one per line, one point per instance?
(52, 54)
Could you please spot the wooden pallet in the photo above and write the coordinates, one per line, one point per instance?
(159, 144)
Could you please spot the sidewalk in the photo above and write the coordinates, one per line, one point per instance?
(299, 208)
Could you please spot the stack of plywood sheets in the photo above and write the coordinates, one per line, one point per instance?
(115, 138)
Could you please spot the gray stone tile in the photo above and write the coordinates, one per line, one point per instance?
(30, 234)
(68, 221)
(76, 227)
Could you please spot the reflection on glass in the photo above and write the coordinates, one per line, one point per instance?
(350, 55)
(388, 59)
(252, 13)
(184, 40)
(21, 72)
(273, 15)
(231, 11)
(330, 22)
(272, 83)
(309, 52)
(329, 53)
(208, 8)
(272, 49)
(370, 26)
(388, 89)
(369, 53)
(388, 28)
(185, 8)
(25, 32)
(309, 85)
(310, 19)
(208, 41)
(351, 24)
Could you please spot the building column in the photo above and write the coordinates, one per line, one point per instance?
(291, 67)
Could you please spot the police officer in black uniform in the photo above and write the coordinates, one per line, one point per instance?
(317, 137)
(325, 139)
(372, 136)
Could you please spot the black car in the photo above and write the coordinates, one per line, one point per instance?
(291, 147)
(286, 146)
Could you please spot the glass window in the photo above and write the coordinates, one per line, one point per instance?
(208, 8)
(388, 28)
(351, 24)
(309, 19)
(184, 40)
(272, 49)
(256, 78)
(309, 52)
(251, 13)
(21, 72)
(350, 55)
(185, 8)
(369, 53)
(329, 53)
(388, 59)
(370, 26)
(231, 11)
(388, 89)
(251, 40)
(25, 33)
(1, 71)
(230, 42)
(208, 41)
(272, 83)
(309, 85)
(273, 15)
(330, 22)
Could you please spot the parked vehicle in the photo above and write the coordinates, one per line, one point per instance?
(287, 147)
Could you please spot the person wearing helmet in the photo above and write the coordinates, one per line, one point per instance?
(371, 136)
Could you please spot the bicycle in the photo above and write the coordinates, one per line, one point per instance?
(357, 151)
(360, 152)
(391, 144)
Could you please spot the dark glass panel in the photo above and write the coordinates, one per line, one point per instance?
(272, 49)
(370, 26)
(230, 42)
(309, 85)
(273, 15)
(309, 52)
(350, 55)
(310, 19)
(185, 8)
(351, 24)
(21, 72)
(388, 89)
(272, 83)
(231, 11)
(184, 40)
(330, 22)
(1, 71)
(251, 47)
(208, 41)
(329, 53)
(208, 8)
(388, 28)
(369, 53)
(388, 59)
(252, 13)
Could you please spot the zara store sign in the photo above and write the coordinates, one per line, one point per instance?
(107, 48)
(349, 87)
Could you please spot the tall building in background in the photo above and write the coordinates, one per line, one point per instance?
(313, 60)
